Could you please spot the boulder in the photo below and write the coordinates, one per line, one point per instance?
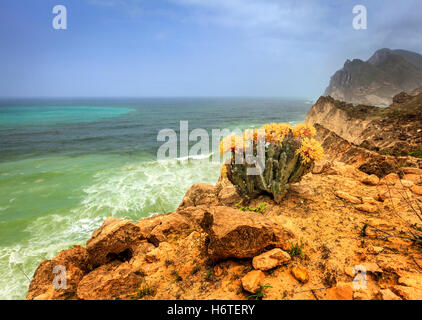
(75, 261)
(172, 226)
(200, 194)
(227, 193)
(236, 234)
(112, 281)
(115, 237)
(146, 225)
(252, 280)
(270, 259)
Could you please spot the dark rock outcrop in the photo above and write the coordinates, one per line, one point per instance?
(377, 80)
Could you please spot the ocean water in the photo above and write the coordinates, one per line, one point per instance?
(67, 164)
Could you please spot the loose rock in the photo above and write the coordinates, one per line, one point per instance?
(271, 259)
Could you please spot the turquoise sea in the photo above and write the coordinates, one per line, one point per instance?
(67, 164)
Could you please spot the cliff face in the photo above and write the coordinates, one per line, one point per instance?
(379, 133)
(377, 80)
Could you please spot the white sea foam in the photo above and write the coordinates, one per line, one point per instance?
(131, 191)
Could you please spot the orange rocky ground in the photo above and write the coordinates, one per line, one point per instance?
(208, 249)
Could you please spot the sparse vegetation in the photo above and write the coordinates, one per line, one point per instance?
(260, 294)
(144, 291)
(259, 209)
(296, 249)
(363, 231)
(416, 153)
(207, 275)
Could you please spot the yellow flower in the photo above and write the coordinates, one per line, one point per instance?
(275, 132)
(304, 131)
(231, 143)
(310, 150)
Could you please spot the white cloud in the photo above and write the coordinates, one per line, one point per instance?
(285, 16)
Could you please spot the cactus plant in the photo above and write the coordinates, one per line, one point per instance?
(289, 154)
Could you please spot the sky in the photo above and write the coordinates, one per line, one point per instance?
(189, 48)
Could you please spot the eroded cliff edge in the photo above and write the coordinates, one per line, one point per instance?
(377, 140)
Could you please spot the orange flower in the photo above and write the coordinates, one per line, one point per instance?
(303, 130)
(310, 150)
(275, 132)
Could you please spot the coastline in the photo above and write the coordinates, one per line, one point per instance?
(198, 252)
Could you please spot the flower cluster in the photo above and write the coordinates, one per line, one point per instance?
(310, 150)
(304, 130)
(275, 132)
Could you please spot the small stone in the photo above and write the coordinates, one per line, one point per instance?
(366, 207)
(371, 180)
(300, 274)
(252, 280)
(417, 190)
(387, 294)
(345, 196)
(270, 259)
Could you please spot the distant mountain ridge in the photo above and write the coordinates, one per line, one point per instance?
(378, 79)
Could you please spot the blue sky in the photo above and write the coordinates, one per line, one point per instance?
(135, 48)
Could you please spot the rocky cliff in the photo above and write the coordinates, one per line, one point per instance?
(378, 79)
(366, 135)
(358, 209)
(306, 247)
